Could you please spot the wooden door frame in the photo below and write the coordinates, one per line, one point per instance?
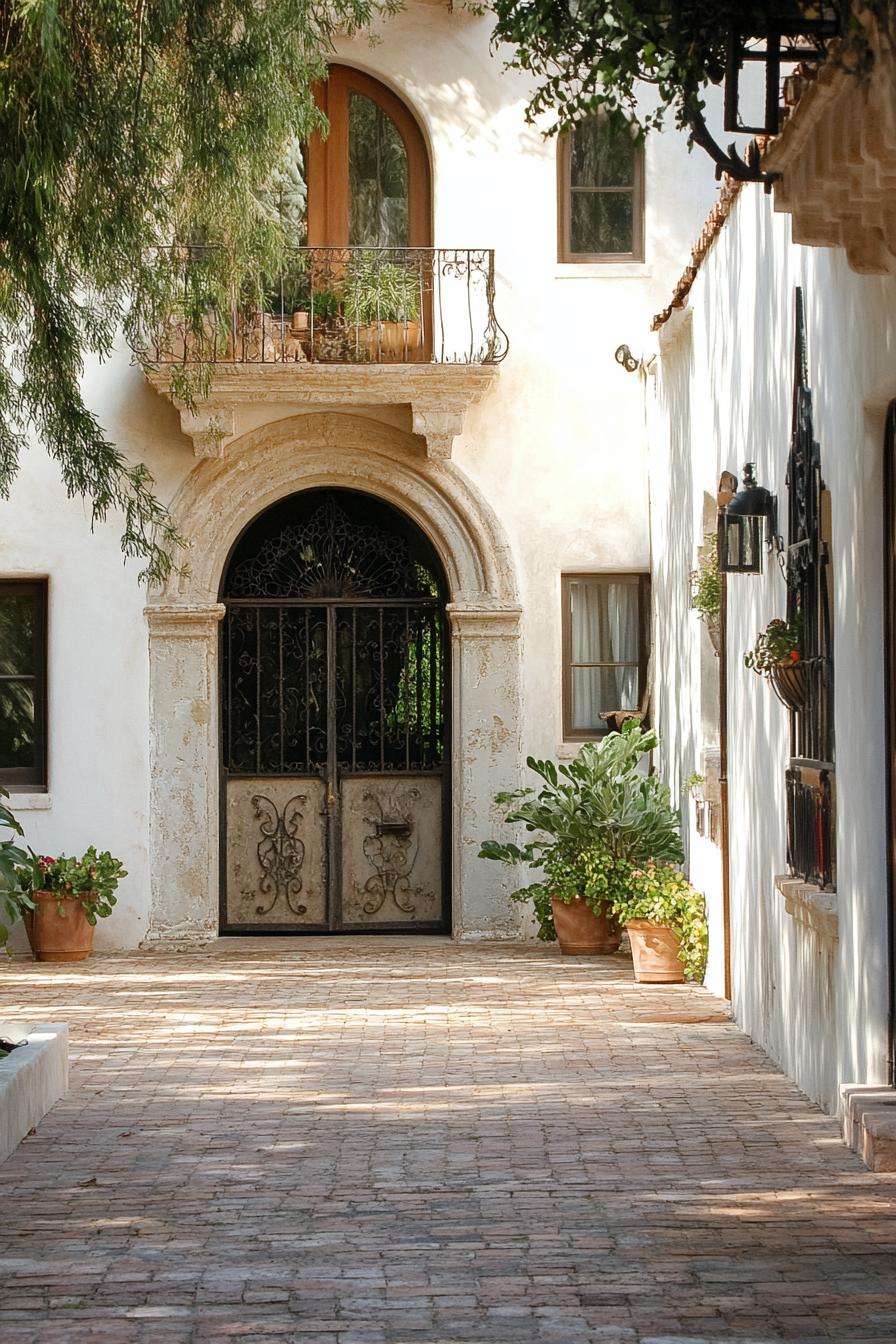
(328, 161)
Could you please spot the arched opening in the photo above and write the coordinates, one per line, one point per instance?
(334, 723)
(369, 182)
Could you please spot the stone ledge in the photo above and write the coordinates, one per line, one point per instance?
(809, 905)
(32, 1079)
(439, 396)
(868, 1119)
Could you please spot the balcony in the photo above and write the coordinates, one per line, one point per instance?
(346, 305)
(338, 326)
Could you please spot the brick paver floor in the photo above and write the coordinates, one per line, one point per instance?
(374, 1141)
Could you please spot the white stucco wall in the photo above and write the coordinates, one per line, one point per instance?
(557, 446)
(724, 385)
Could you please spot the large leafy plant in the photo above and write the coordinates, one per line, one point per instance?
(590, 822)
(14, 900)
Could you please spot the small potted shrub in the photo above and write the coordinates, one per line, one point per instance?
(665, 918)
(776, 656)
(68, 896)
(591, 822)
(382, 302)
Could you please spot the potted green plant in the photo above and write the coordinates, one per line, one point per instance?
(68, 896)
(14, 900)
(776, 656)
(706, 589)
(591, 822)
(382, 302)
(665, 918)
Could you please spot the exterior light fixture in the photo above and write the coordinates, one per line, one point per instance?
(746, 521)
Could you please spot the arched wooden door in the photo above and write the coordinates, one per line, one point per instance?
(334, 722)
(369, 181)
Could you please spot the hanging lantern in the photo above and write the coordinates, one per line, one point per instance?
(747, 522)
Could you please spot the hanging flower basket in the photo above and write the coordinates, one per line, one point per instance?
(776, 657)
(790, 682)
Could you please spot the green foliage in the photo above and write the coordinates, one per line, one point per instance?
(594, 54)
(14, 901)
(378, 291)
(125, 127)
(325, 305)
(92, 879)
(591, 821)
(663, 895)
(706, 582)
(778, 643)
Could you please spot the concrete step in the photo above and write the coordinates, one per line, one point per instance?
(868, 1117)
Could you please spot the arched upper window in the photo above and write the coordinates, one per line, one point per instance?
(601, 194)
(369, 180)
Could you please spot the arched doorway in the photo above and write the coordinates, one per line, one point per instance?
(369, 181)
(334, 721)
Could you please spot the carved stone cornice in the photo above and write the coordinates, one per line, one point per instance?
(484, 621)
(184, 622)
(438, 395)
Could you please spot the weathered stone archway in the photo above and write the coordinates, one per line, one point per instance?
(215, 503)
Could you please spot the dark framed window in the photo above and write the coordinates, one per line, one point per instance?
(601, 194)
(606, 636)
(23, 684)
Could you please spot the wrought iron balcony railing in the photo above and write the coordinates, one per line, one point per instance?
(354, 305)
(811, 818)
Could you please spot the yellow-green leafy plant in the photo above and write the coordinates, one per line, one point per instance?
(660, 893)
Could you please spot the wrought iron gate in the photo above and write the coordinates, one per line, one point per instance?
(334, 722)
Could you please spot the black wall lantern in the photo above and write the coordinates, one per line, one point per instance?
(747, 519)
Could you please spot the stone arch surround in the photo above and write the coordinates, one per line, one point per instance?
(217, 500)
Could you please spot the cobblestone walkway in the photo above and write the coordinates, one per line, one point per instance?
(375, 1141)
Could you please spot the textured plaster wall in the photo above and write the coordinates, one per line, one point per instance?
(818, 1004)
(557, 448)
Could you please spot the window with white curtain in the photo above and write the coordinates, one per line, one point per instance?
(604, 648)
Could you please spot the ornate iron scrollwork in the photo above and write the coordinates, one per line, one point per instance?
(281, 852)
(329, 554)
(391, 850)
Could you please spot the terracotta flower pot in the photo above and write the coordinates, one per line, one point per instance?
(390, 342)
(655, 949)
(582, 933)
(57, 928)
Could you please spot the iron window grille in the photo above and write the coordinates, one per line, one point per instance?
(811, 777)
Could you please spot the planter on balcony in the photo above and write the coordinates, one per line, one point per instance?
(390, 342)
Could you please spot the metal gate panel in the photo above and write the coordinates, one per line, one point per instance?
(392, 850)
(334, 721)
(276, 854)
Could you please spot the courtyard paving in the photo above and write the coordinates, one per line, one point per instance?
(372, 1141)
